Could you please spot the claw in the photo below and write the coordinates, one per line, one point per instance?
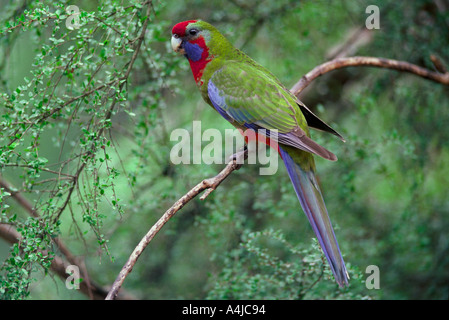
(239, 157)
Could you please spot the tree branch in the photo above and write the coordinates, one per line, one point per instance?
(21, 200)
(10, 234)
(358, 61)
(58, 264)
(208, 185)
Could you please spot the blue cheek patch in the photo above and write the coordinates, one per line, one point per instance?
(193, 51)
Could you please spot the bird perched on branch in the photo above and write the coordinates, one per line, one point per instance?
(252, 98)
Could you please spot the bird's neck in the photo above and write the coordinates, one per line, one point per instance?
(198, 69)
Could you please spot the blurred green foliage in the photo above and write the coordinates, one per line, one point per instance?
(85, 138)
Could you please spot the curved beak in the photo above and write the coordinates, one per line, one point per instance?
(176, 44)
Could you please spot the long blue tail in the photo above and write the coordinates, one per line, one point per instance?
(312, 202)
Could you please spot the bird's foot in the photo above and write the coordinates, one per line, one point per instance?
(239, 157)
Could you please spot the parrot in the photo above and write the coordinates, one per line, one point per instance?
(250, 97)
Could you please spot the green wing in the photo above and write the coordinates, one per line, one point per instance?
(250, 97)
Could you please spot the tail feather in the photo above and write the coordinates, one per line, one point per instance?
(309, 195)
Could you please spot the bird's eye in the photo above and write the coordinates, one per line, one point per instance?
(193, 32)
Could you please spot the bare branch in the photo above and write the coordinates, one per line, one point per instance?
(438, 64)
(207, 185)
(358, 61)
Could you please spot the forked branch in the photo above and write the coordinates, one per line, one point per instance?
(207, 185)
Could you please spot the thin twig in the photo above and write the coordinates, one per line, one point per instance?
(438, 64)
(21, 200)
